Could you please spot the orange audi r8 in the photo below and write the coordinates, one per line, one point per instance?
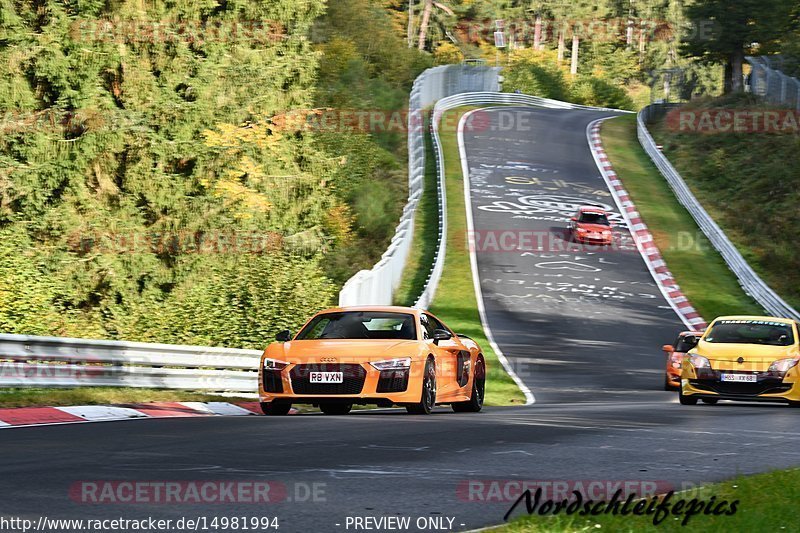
(372, 355)
(590, 225)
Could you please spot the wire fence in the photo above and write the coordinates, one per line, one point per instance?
(767, 81)
(748, 279)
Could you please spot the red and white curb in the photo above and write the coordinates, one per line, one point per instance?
(39, 416)
(641, 235)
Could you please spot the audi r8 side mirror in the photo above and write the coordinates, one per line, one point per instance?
(441, 335)
(284, 336)
(574, 219)
(668, 348)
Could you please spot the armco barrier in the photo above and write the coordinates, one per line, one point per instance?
(749, 280)
(30, 361)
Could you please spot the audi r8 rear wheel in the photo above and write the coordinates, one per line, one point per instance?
(686, 400)
(475, 402)
(428, 399)
(275, 408)
(335, 408)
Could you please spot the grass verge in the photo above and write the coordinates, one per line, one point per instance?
(697, 267)
(748, 180)
(766, 502)
(455, 302)
(103, 395)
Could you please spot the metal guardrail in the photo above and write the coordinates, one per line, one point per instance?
(748, 279)
(31, 361)
(772, 84)
(377, 286)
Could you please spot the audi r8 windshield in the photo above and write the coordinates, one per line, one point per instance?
(751, 332)
(360, 325)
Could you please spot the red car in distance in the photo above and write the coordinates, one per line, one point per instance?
(590, 225)
(686, 341)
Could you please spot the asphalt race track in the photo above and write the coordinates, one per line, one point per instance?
(583, 331)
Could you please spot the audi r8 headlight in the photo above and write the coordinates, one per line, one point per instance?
(274, 364)
(606, 233)
(782, 365)
(698, 361)
(582, 230)
(393, 364)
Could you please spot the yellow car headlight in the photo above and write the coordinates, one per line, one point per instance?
(698, 361)
(782, 365)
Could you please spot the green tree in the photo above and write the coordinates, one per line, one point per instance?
(736, 29)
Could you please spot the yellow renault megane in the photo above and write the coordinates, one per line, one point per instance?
(750, 358)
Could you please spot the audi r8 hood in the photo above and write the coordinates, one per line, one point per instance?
(345, 350)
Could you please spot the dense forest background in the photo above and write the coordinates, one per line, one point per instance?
(155, 184)
(148, 188)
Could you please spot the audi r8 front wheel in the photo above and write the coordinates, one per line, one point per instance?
(275, 408)
(428, 399)
(335, 408)
(475, 402)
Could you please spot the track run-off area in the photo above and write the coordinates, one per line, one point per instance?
(582, 330)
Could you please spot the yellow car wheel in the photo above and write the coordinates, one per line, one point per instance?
(686, 400)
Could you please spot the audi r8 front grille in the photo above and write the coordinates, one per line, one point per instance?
(353, 377)
(272, 381)
(393, 381)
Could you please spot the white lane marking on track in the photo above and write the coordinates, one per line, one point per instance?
(513, 451)
(567, 265)
(473, 261)
(400, 448)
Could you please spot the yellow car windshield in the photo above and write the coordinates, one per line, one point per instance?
(751, 332)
